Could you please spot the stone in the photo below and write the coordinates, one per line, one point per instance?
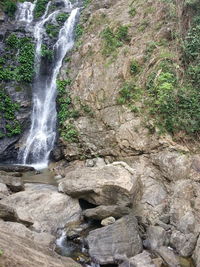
(121, 239)
(196, 254)
(44, 239)
(168, 256)
(102, 212)
(45, 208)
(9, 214)
(156, 237)
(113, 184)
(15, 184)
(182, 213)
(3, 191)
(23, 251)
(108, 221)
(141, 260)
(16, 168)
(184, 244)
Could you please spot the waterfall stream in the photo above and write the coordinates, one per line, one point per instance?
(42, 134)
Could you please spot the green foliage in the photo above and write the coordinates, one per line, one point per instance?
(79, 31)
(12, 41)
(52, 30)
(132, 11)
(1, 251)
(86, 3)
(40, 8)
(62, 17)
(66, 111)
(129, 94)
(70, 133)
(134, 67)
(114, 39)
(21, 53)
(8, 109)
(46, 53)
(192, 42)
(10, 8)
(175, 108)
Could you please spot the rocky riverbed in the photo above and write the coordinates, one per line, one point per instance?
(109, 213)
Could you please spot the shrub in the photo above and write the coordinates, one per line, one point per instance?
(46, 53)
(10, 8)
(52, 30)
(40, 8)
(62, 17)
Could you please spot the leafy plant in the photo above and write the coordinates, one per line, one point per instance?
(52, 30)
(62, 17)
(46, 53)
(10, 8)
(134, 67)
(114, 39)
(40, 8)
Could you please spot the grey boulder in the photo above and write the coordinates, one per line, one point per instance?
(113, 184)
(112, 243)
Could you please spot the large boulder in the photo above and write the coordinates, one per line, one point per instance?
(3, 191)
(24, 251)
(113, 184)
(111, 243)
(45, 208)
(15, 184)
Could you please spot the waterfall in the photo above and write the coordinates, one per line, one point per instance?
(42, 134)
(25, 12)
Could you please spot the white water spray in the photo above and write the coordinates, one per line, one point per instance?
(42, 134)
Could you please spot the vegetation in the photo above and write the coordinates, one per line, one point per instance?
(18, 63)
(10, 8)
(114, 39)
(66, 112)
(40, 8)
(62, 17)
(7, 111)
(46, 52)
(52, 30)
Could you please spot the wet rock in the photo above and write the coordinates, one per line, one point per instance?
(102, 212)
(16, 168)
(46, 209)
(156, 237)
(24, 251)
(183, 243)
(107, 221)
(113, 184)
(141, 260)
(108, 244)
(15, 184)
(168, 256)
(3, 191)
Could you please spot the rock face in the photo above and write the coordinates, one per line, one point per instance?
(46, 209)
(114, 242)
(109, 185)
(24, 251)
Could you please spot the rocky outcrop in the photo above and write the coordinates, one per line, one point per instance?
(112, 243)
(141, 260)
(46, 209)
(113, 184)
(24, 251)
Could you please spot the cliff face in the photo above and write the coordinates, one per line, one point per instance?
(16, 71)
(128, 59)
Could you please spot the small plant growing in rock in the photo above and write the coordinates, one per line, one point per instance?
(10, 8)
(134, 67)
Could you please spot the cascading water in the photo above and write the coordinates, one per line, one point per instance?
(42, 133)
